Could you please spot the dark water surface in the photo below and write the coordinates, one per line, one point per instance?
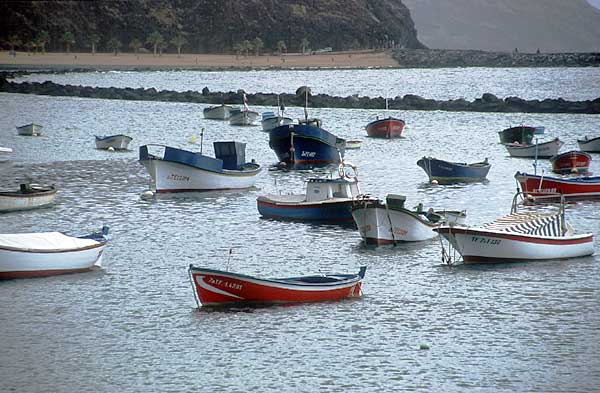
(133, 326)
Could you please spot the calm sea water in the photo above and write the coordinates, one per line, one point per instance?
(133, 325)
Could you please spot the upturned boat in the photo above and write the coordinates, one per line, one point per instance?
(31, 129)
(517, 237)
(217, 112)
(550, 188)
(28, 196)
(571, 162)
(216, 288)
(539, 150)
(25, 255)
(117, 142)
(589, 144)
(519, 134)
(325, 200)
(445, 172)
(390, 222)
(177, 170)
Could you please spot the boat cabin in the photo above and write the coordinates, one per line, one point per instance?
(233, 154)
(318, 189)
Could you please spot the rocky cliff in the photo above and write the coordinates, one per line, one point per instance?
(503, 25)
(214, 26)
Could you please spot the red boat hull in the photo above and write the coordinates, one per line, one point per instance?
(544, 187)
(385, 128)
(571, 162)
(216, 288)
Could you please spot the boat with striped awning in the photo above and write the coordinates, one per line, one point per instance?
(517, 237)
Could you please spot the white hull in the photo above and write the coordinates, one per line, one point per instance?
(117, 142)
(375, 226)
(273, 122)
(24, 202)
(5, 153)
(30, 130)
(217, 112)
(243, 118)
(546, 149)
(590, 146)
(174, 177)
(31, 264)
(479, 246)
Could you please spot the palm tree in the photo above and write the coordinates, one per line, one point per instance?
(238, 49)
(281, 47)
(94, 39)
(258, 45)
(246, 46)
(13, 41)
(179, 41)
(135, 45)
(114, 45)
(304, 44)
(69, 39)
(42, 39)
(156, 39)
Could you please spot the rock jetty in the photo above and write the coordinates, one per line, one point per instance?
(487, 103)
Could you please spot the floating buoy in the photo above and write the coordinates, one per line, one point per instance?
(423, 346)
(192, 140)
(110, 148)
(147, 194)
(434, 181)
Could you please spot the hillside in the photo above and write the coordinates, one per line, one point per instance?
(211, 26)
(503, 25)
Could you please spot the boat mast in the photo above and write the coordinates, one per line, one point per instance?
(306, 105)
(201, 138)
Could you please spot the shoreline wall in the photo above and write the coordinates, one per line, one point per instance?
(487, 103)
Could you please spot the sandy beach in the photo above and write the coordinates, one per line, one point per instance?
(355, 59)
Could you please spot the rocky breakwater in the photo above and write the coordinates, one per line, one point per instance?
(442, 58)
(487, 103)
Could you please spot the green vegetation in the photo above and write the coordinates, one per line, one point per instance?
(68, 39)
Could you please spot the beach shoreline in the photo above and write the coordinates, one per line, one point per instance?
(147, 61)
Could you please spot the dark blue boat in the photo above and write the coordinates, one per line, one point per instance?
(306, 145)
(445, 172)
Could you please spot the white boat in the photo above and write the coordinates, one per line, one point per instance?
(518, 237)
(176, 170)
(30, 129)
(243, 117)
(353, 144)
(24, 255)
(390, 222)
(589, 144)
(29, 196)
(217, 112)
(271, 120)
(5, 153)
(539, 150)
(117, 142)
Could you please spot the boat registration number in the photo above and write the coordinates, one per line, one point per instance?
(225, 284)
(485, 240)
(175, 177)
(310, 154)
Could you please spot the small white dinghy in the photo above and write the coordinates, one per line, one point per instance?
(517, 237)
(117, 142)
(539, 150)
(25, 255)
(28, 196)
(5, 153)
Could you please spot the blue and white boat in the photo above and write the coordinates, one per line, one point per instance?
(445, 172)
(176, 170)
(306, 145)
(326, 199)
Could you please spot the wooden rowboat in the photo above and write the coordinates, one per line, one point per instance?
(25, 255)
(221, 288)
(29, 196)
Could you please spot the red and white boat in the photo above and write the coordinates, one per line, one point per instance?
(25, 255)
(571, 162)
(540, 188)
(220, 288)
(389, 127)
(517, 237)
